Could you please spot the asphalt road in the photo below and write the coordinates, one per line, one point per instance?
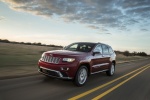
(130, 82)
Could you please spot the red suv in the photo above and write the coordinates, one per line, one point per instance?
(78, 61)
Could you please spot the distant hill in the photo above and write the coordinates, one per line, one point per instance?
(29, 43)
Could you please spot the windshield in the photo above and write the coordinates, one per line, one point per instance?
(81, 47)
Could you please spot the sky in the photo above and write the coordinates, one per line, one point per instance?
(123, 24)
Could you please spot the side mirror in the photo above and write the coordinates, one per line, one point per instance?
(96, 52)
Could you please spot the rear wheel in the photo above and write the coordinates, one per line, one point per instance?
(111, 70)
(81, 76)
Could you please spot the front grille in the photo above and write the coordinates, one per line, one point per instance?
(50, 59)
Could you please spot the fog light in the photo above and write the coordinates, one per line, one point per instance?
(65, 69)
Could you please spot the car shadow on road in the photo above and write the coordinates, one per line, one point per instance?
(96, 79)
(58, 82)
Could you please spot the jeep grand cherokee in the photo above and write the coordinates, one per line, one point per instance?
(78, 61)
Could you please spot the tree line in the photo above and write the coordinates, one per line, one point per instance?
(29, 43)
(127, 53)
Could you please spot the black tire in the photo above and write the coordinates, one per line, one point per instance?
(111, 70)
(81, 73)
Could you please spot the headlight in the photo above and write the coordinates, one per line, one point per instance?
(68, 59)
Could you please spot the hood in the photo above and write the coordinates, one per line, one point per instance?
(66, 53)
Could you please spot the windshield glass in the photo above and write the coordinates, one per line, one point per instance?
(81, 47)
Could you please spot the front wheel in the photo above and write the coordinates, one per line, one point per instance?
(81, 76)
(111, 71)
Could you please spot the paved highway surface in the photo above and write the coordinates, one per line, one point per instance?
(130, 82)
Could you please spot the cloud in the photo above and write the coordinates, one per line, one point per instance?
(144, 30)
(93, 27)
(107, 33)
(106, 13)
(2, 18)
(104, 33)
(126, 4)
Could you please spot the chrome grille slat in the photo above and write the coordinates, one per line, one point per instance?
(54, 59)
(43, 58)
(47, 59)
(50, 59)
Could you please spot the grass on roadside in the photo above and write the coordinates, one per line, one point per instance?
(13, 55)
(122, 58)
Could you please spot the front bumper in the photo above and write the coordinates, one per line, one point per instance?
(53, 73)
(63, 71)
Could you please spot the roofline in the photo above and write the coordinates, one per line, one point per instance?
(94, 43)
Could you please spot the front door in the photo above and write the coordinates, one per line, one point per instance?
(99, 60)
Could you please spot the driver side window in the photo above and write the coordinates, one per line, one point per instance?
(98, 48)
